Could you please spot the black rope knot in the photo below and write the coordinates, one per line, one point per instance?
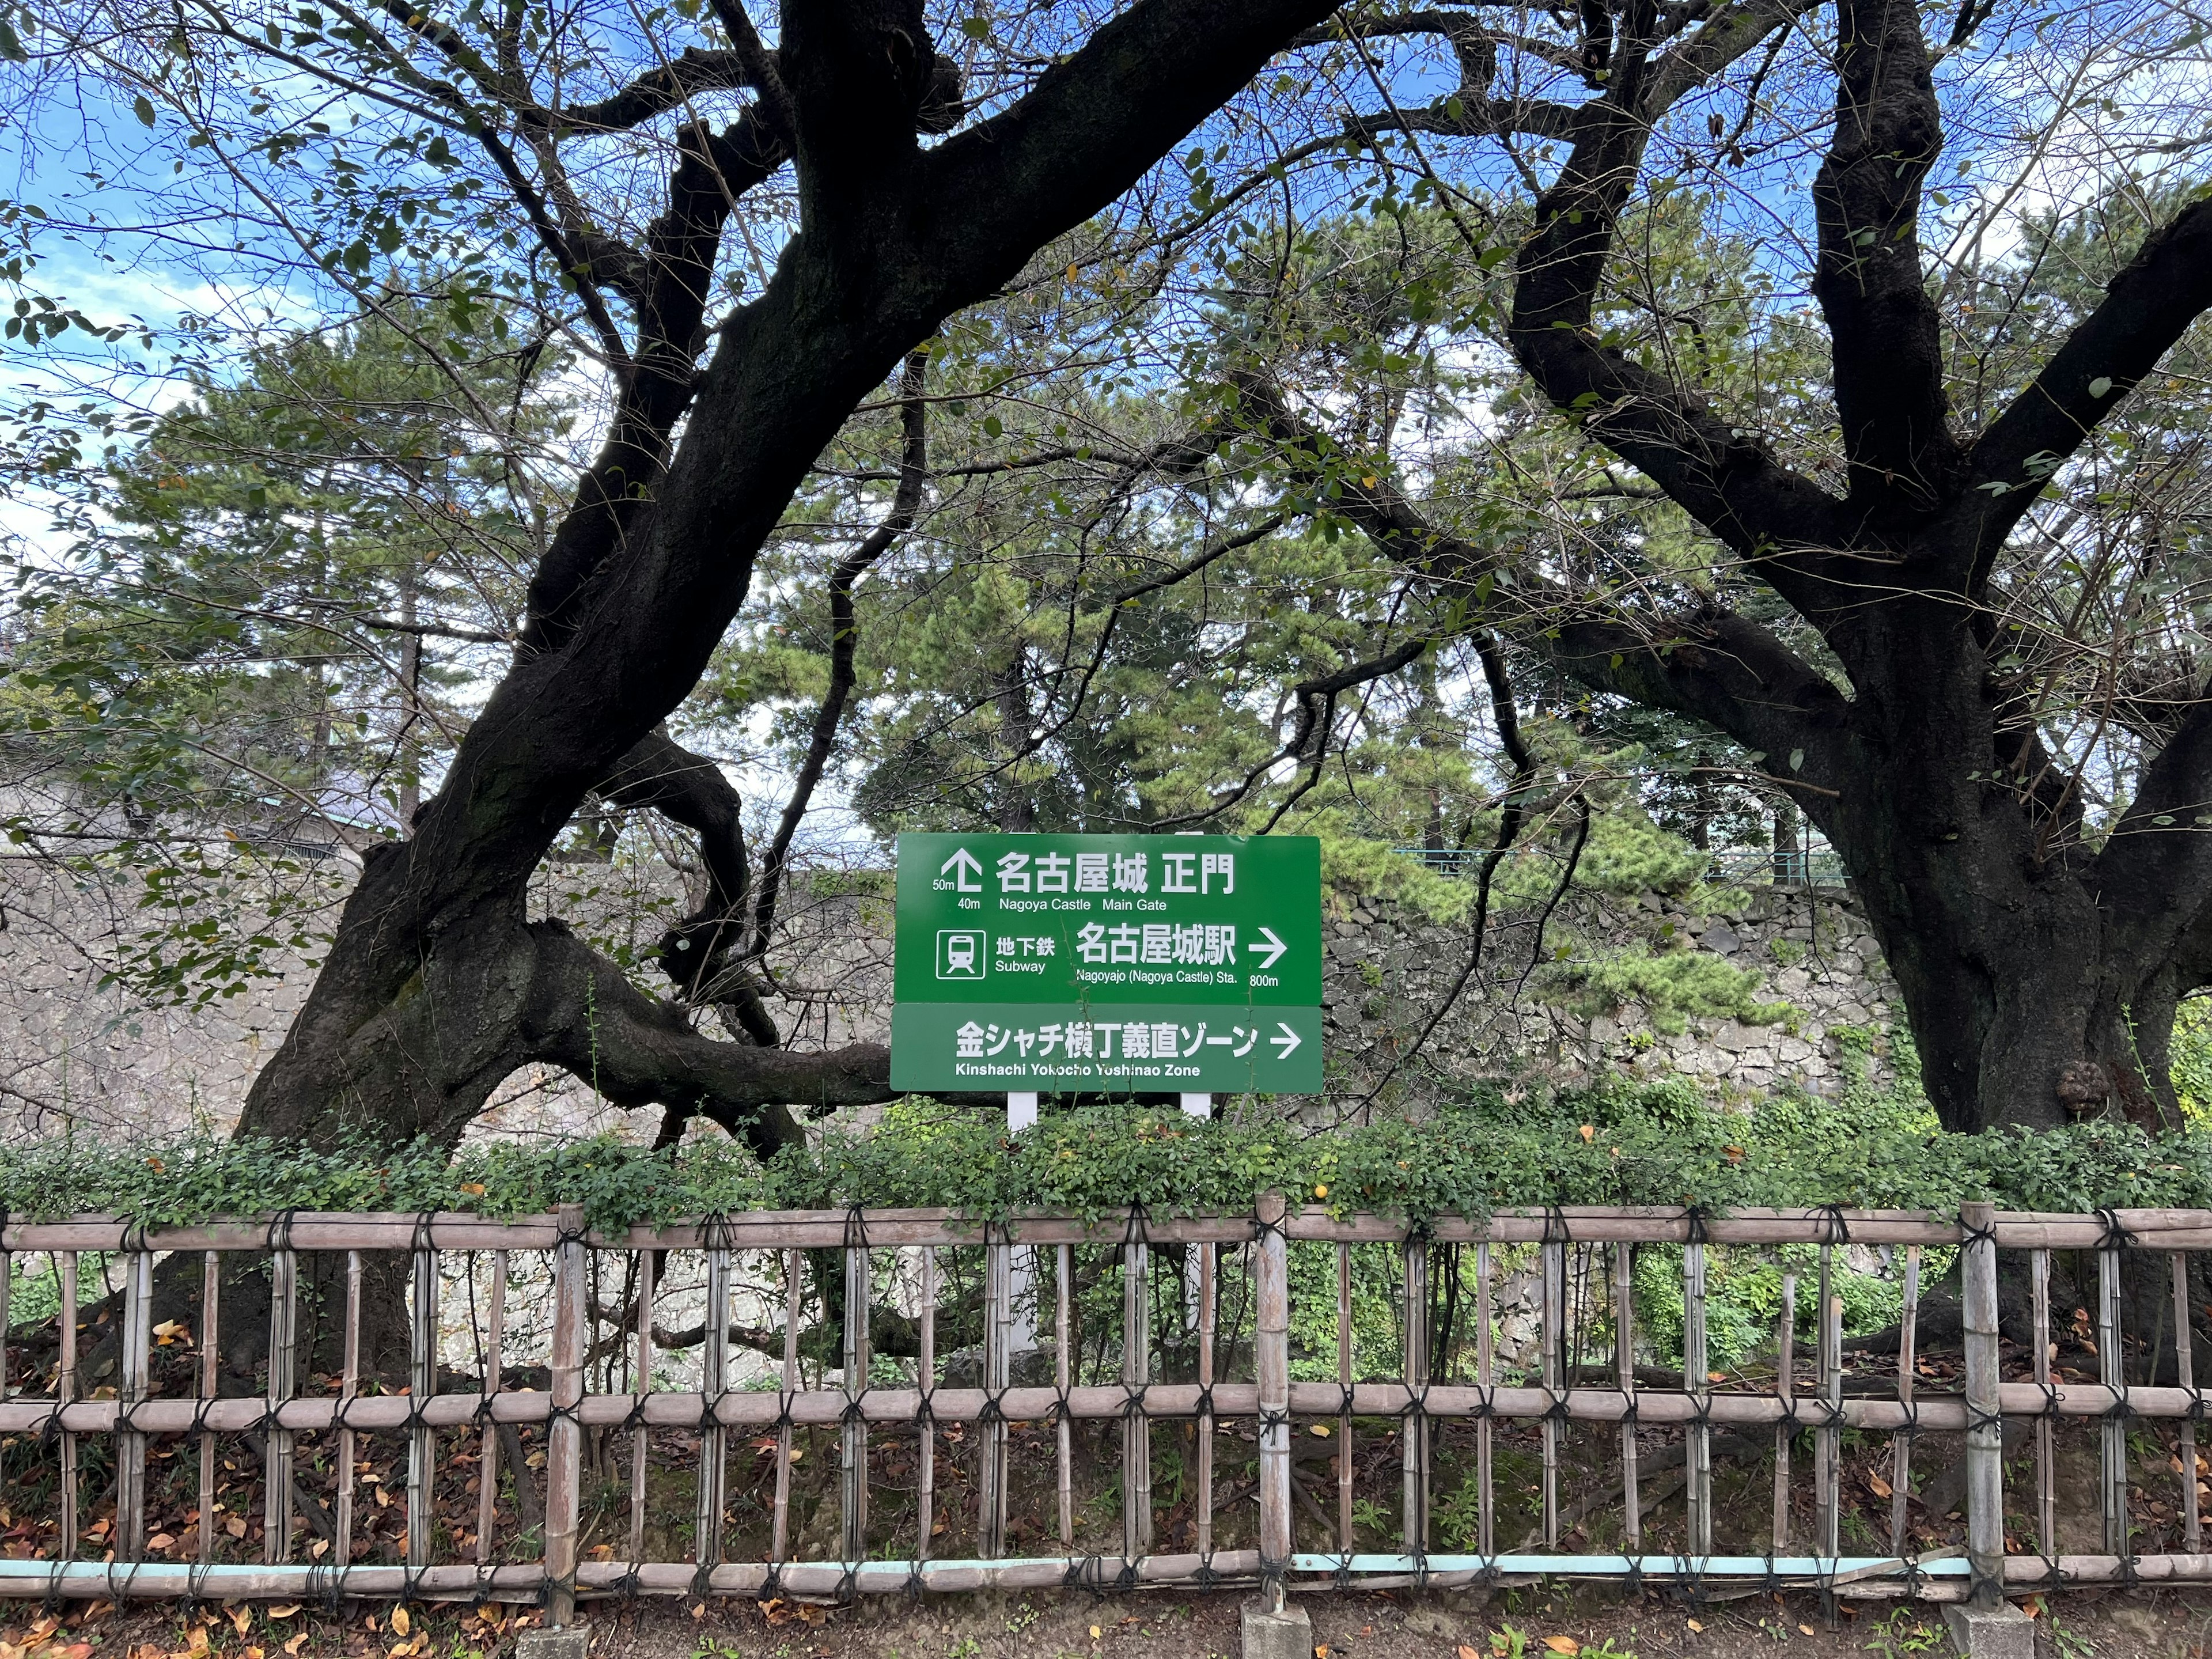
(2116, 1238)
(1839, 1228)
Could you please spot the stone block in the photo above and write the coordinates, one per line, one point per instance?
(1284, 1635)
(569, 1642)
(2002, 1631)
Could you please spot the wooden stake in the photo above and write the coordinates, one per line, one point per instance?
(1623, 1355)
(1204, 1427)
(487, 1437)
(998, 1322)
(348, 1388)
(1485, 1376)
(65, 1391)
(283, 1351)
(926, 1378)
(1554, 1337)
(2046, 1475)
(2113, 1490)
(138, 1338)
(852, 1494)
(780, 1548)
(2184, 1359)
(1986, 1546)
(1062, 1329)
(1785, 1361)
(1271, 1356)
(210, 1341)
(564, 1436)
(714, 1438)
(1827, 1441)
(1344, 1529)
(1900, 1443)
(423, 1382)
(1136, 1373)
(1698, 1439)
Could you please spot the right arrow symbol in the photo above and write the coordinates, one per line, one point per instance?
(1288, 1042)
(1274, 948)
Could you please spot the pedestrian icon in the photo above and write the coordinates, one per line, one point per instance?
(960, 953)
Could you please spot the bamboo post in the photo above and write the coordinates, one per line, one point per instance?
(349, 1388)
(2184, 1360)
(423, 1382)
(1827, 1451)
(1697, 1444)
(713, 1494)
(852, 1495)
(1343, 1530)
(284, 1354)
(1271, 1356)
(65, 1391)
(1204, 1426)
(1984, 1427)
(641, 1444)
(564, 1435)
(1136, 1373)
(2046, 1473)
(1062, 1332)
(2113, 1490)
(7, 1314)
(134, 1386)
(1553, 1336)
(1785, 1382)
(1624, 1358)
(1414, 1431)
(998, 1364)
(1486, 1356)
(1900, 1443)
(494, 1377)
(211, 1349)
(925, 1430)
(779, 1547)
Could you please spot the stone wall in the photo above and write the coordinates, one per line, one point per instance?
(101, 1058)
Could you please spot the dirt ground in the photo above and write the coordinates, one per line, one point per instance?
(1518, 1623)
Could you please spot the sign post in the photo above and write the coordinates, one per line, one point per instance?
(1183, 965)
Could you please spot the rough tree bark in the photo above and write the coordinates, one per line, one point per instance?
(2040, 968)
(438, 987)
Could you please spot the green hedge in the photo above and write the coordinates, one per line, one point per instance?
(1657, 1144)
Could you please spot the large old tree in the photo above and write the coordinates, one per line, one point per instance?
(1872, 634)
(438, 987)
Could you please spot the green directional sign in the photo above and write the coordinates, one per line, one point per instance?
(1186, 963)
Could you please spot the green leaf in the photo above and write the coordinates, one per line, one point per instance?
(2100, 386)
(143, 108)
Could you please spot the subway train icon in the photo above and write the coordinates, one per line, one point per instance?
(960, 953)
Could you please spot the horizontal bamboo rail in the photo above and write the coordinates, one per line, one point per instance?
(1585, 1257)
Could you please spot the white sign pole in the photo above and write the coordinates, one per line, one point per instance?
(1198, 1105)
(1022, 1112)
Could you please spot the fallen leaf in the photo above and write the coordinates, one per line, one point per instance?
(286, 1612)
(1467, 1652)
(1565, 1644)
(1589, 1133)
(1879, 1486)
(242, 1617)
(400, 1621)
(1693, 1623)
(160, 1540)
(1320, 1431)
(1804, 1629)
(1094, 1631)
(298, 1642)
(235, 1525)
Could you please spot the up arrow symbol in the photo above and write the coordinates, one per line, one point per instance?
(1288, 1042)
(962, 861)
(1274, 948)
